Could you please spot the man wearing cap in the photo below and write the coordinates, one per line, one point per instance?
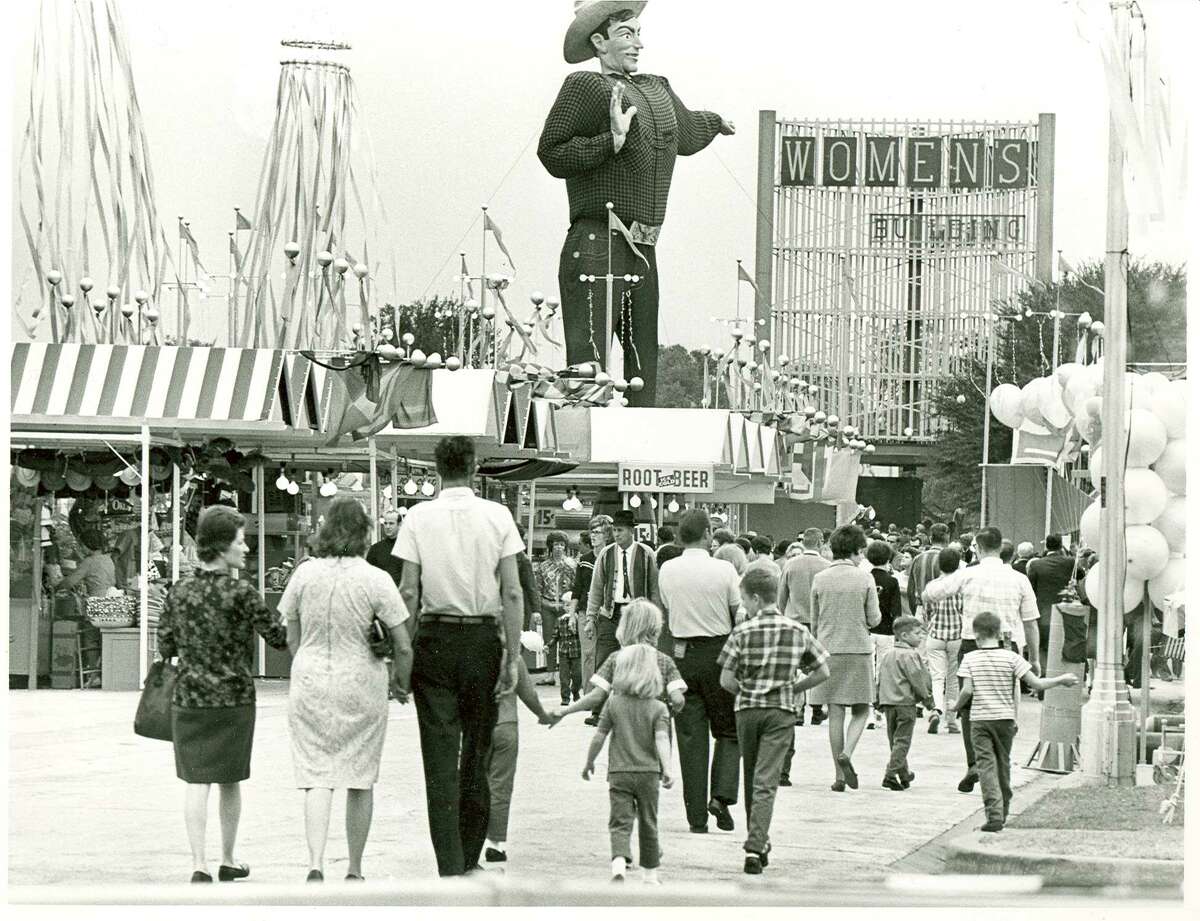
(613, 136)
(625, 571)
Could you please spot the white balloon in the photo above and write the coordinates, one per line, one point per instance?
(1170, 405)
(1031, 395)
(1147, 438)
(1005, 403)
(1065, 372)
(1051, 405)
(1146, 552)
(1089, 526)
(1096, 465)
(1145, 495)
(1155, 381)
(1172, 466)
(1172, 579)
(1172, 523)
(1084, 383)
(1137, 394)
(1088, 427)
(1093, 584)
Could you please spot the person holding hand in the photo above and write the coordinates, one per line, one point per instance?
(639, 759)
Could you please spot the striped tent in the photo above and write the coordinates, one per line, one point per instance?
(127, 385)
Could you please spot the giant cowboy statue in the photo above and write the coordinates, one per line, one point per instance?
(613, 136)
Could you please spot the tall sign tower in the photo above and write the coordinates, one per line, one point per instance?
(882, 246)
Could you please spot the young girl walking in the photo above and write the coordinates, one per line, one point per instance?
(639, 758)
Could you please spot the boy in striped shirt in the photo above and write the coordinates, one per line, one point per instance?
(988, 676)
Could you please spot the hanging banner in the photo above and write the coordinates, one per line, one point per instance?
(674, 478)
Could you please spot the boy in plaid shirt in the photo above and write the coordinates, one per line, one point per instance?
(768, 661)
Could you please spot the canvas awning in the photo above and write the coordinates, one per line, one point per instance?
(117, 387)
(504, 420)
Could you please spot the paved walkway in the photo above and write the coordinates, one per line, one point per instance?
(90, 802)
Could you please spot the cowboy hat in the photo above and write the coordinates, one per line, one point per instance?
(78, 482)
(28, 478)
(589, 17)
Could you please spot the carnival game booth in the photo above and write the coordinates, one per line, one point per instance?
(661, 460)
(96, 429)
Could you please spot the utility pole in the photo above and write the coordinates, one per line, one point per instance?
(1107, 730)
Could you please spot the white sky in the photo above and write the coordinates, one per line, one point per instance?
(454, 93)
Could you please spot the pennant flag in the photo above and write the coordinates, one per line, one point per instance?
(236, 253)
(242, 222)
(1064, 267)
(743, 275)
(489, 224)
(405, 400)
(614, 223)
(185, 234)
(1028, 279)
(465, 273)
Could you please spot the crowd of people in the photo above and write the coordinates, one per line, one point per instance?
(713, 643)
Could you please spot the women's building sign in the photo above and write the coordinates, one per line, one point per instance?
(673, 478)
(911, 162)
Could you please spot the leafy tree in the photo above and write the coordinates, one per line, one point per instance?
(680, 377)
(433, 323)
(1157, 296)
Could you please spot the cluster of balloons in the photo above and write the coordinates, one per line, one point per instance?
(1155, 451)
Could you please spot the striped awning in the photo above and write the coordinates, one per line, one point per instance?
(161, 384)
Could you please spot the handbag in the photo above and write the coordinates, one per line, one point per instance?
(153, 719)
(379, 639)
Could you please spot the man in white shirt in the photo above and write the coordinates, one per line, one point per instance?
(460, 568)
(989, 586)
(701, 596)
(795, 594)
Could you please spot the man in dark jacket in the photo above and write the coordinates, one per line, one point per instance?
(1049, 575)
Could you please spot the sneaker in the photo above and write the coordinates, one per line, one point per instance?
(967, 784)
(785, 781)
(753, 865)
(953, 729)
(721, 812)
(870, 724)
(892, 783)
(934, 722)
(493, 855)
(619, 867)
(992, 826)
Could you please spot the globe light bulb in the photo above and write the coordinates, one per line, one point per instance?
(293, 488)
(282, 482)
(329, 489)
(427, 488)
(410, 487)
(635, 501)
(673, 506)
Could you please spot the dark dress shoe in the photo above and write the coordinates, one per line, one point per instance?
(315, 876)
(753, 865)
(199, 876)
(354, 877)
(592, 721)
(226, 873)
(785, 781)
(698, 829)
(967, 784)
(491, 855)
(818, 717)
(992, 826)
(848, 771)
(907, 778)
(721, 812)
(891, 783)
(838, 786)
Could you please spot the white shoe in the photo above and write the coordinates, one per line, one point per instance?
(618, 869)
(650, 877)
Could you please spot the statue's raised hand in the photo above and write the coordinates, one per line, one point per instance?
(619, 120)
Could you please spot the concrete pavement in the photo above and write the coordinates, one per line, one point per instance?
(91, 803)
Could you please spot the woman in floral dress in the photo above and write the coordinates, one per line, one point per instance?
(209, 621)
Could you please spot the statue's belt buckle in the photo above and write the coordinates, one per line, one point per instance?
(646, 234)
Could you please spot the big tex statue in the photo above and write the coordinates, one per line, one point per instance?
(613, 136)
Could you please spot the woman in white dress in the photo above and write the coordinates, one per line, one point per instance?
(338, 699)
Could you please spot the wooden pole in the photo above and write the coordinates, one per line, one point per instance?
(35, 616)
(373, 459)
(532, 517)
(1045, 197)
(989, 320)
(176, 535)
(144, 560)
(764, 230)
(1106, 744)
(260, 502)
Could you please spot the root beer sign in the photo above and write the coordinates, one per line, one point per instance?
(867, 161)
(674, 478)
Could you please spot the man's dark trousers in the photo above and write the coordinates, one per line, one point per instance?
(455, 669)
(606, 640)
(585, 252)
(900, 722)
(707, 707)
